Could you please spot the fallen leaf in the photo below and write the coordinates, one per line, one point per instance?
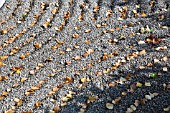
(2, 78)
(77, 58)
(34, 88)
(156, 61)
(116, 101)
(51, 75)
(65, 99)
(153, 40)
(56, 108)
(37, 104)
(138, 84)
(165, 58)
(55, 89)
(166, 109)
(161, 48)
(141, 67)
(143, 101)
(23, 79)
(75, 35)
(15, 85)
(148, 97)
(153, 75)
(2, 97)
(165, 69)
(99, 73)
(3, 57)
(68, 80)
(109, 105)
(91, 99)
(54, 11)
(141, 42)
(37, 45)
(147, 84)
(143, 52)
(32, 72)
(83, 80)
(137, 102)
(129, 110)
(2, 64)
(9, 111)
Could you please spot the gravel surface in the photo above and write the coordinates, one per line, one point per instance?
(93, 56)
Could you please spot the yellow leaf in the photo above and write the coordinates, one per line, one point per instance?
(37, 104)
(2, 64)
(138, 84)
(18, 71)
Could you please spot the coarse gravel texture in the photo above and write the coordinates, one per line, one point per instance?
(74, 45)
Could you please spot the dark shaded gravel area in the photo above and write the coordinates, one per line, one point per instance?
(74, 45)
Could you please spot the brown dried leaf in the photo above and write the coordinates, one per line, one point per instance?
(85, 54)
(88, 30)
(99, 73)
(77, 58)
(54, 11)
(68, 49)
(2, 97)
(75, 35)
(4, 31)
(22, 56)
(3, 78)
(98, 25)
(9, 111)
(66, 15)
(23, 79)
(87, 41)
(37, 45)
(37, 104)
(143, 52)
(15, 85)
(51, 93)
(2, 64)
(56, 108)
(153, 40)
(4, 93)
(91, 99)
(68, 80)
(55, 89)
(3, 57)
(34, 88)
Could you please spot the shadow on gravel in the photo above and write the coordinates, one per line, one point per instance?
(156, 105)
(145, 7)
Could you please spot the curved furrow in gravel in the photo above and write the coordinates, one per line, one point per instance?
(33, 48)
(35, 17)
(16, 20)
(9, 14)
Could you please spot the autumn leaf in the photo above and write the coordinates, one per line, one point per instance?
(68, 80)
(37, 104)
(153, 40)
